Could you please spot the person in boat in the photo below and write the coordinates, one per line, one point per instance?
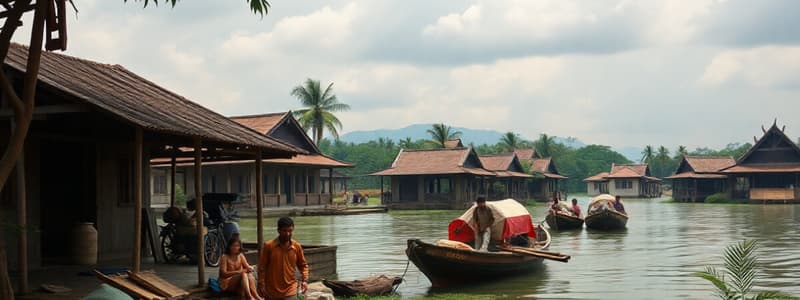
(483, 223)
(576, 210)
(617, 204)
(280, 259)
(556, 206)
(235, 274)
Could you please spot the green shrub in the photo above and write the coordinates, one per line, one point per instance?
(718, 198)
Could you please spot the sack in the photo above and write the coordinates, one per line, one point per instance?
(213, 284)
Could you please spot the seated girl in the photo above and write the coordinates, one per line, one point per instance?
(235, 274)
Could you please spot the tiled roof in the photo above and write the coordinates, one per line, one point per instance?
(497, 162)
(770, 168)
(263, 123)
(434, 161)
(697, 176)
(454, 143)
(316, 160)
(637, 169)
(597, 177)
(624, 172)
(525, 154)
(709, 164)
(541, 164)
(136, 100)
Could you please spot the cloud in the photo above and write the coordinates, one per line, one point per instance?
(763, 67)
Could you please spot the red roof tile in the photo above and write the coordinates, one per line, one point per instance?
(263, 123)
(770, 168)
(454, 143)
(709, 164)
(434, 161)
(697, 176)
(598, 177)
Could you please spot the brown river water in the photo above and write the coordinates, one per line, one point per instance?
(653, 259)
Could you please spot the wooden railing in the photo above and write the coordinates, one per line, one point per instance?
(772, 194)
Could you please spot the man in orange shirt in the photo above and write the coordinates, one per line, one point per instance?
(279, 260)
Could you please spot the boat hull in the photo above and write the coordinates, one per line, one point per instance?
(606, 220)
(445, 266)
(558, 221)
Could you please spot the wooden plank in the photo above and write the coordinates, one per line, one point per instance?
(152, 282)
(129, 287)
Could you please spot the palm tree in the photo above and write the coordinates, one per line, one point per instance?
(662, 157)
(740, 263)
(511, 141)
(320, 106)
(545, 145)
(441, 133)
(406, 143)
(647, 154)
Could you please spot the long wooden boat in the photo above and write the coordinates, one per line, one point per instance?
(447, 266)
(606, 219)
(375, 285)
(559, 221)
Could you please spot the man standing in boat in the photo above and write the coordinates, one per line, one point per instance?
(483, 224)
(618, 205)
(280, 259)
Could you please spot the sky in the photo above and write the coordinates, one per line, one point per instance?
(623, 73)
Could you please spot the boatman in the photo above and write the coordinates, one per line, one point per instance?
(618, 204)
(483, 224)
(280, 259)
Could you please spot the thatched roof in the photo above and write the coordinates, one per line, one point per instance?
(436, 161)
(136, 100)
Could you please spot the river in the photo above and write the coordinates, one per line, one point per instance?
(653, 259)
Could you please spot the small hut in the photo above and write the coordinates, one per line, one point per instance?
(546, 178)
(698, 177)
(510, 177)
(447, 178)
(769, 172)
(627, 180)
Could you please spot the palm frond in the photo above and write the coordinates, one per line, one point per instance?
(769, 295)
(328, 94)
(337, 107)
(718, 280)
(740, 263)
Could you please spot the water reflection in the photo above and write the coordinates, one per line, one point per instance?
(652, 259)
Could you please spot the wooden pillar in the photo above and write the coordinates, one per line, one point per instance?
(279, 186)
(198, 202)
(172, 180)
(305, 180)
(330, 184)
(22, 222)
(259, 201)
(137, 200)
(381, 189)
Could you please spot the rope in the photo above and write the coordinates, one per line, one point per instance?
(402, 278)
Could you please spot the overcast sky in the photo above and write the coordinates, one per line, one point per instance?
(623, 73)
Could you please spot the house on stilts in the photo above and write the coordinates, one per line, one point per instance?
(510, 180)
(698, 177)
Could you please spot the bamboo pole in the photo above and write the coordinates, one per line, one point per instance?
(22, 222)
(198, 202)
(259, 202)
(137, 200)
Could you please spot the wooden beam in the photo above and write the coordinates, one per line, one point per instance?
(22, 207)
(137, 200)
(49, 110)
(198, 196)
(259, 201)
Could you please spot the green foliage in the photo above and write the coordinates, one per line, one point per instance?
(733, 149)
(180, 196)
(736, 281)
(511, 141)
(319, 108)
(718, 198)
(544, 145)
(440, 134)
(260, 7)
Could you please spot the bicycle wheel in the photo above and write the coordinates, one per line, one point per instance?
(213, 248)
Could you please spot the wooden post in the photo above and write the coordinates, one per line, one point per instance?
(259, 201)
(172, 180)
(330, 183)
(198, 202)
(305, 180)
(137, 200)
(278, 188)
(381, 189)
(22, 207)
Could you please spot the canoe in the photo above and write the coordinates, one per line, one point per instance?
(375, 285)
(558, 221)
(606, 219)
(448, 266)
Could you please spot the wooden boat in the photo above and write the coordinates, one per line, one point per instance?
(375, 285)
(448, 266)
(558, 221)
(606, 219)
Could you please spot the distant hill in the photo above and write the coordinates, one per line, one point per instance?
(418, 131)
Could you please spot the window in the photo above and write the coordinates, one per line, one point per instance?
(742, 184)
(160, 183)
(623, 184)
(444, 185)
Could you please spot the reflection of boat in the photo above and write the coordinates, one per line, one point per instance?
(445, 265)
(559, 221)
(602, 217)
(375, 285)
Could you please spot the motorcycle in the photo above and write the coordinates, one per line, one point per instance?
(220, 219)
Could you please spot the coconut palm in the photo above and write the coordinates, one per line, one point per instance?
(440, 134)
(320, 106)
(647, 154)
(511, 141)
(662, 157)
(736, 281)
(545, 145)
(406, 143)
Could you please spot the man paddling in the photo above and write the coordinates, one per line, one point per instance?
(483, 223)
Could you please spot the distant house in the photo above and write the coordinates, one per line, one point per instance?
(449, 178)
(629, 180)
(454, 143)
(546, 178)
(769, 171)
(510, 179)
(295, 181)
(698, 177)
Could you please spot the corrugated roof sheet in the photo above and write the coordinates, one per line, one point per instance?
(433, 161)
(117, 90)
